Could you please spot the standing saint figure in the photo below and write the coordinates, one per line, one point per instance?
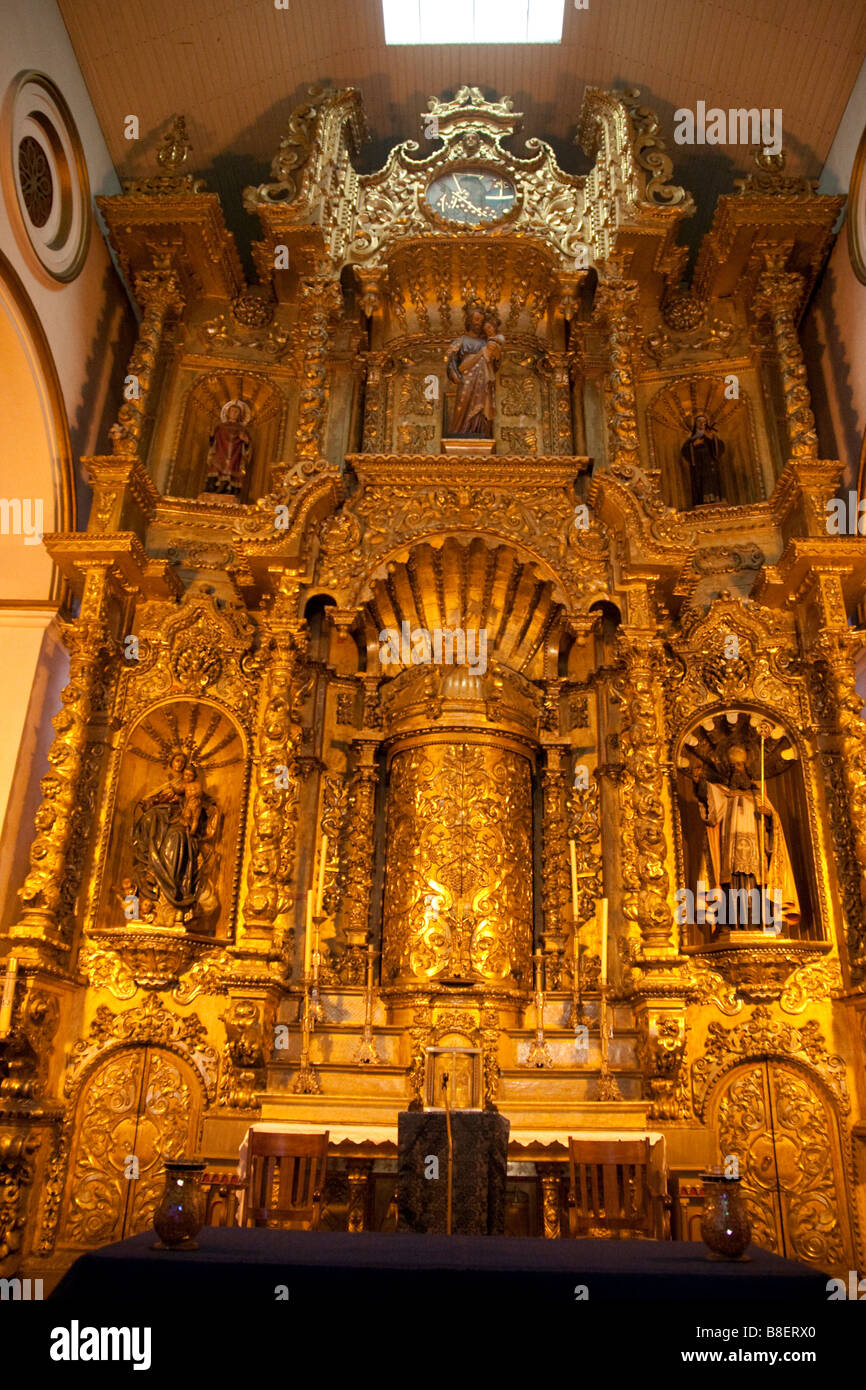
(702, 452)
(230, 451)
(741, 826)
(172, 835)
(472, 363)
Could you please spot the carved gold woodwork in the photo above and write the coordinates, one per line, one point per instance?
(785, 1136)
(458, 890)
(448, 795)
(138, 1104)
(57, 852)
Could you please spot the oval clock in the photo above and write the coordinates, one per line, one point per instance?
(471, 196)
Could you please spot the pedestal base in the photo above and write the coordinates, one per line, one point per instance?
(480, 1164)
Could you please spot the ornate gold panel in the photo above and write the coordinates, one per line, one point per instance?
(458, 886)
(785, 1136)
(139, 1102)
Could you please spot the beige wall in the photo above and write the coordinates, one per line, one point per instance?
(63, 347)
(834, 327)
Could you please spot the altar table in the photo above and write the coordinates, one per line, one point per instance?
(544, 1152)
(233, 1265)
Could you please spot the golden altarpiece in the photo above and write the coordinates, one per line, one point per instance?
(640, 531)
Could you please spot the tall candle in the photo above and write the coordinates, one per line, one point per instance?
(573, 852)
(8, 995)
(308, 932)
(323, 856)
(601, 918)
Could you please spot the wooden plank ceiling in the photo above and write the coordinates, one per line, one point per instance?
(236, 68)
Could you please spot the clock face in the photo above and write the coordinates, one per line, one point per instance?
(471, 196)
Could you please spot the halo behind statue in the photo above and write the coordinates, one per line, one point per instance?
(242, 406)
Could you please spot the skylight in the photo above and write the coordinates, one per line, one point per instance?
(473, 21)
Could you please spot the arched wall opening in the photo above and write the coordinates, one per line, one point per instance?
(36, 496)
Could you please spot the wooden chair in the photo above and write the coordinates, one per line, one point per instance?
(286, 1180)
(612, 1193)
(223, 1194)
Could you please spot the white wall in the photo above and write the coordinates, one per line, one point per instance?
(57, 400)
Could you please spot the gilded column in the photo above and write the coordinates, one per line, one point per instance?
(642, 790)
(360, 841)
(779, 296)
(158, 291)
(831, 654)
(617, 305)
(275, 794)
(320, 298)
(375, 403)
(57, 852)
(555, 870)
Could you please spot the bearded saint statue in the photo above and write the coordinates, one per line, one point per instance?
(747, 852)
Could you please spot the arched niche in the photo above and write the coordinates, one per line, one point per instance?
(176, 821)
(201, 415)
(670, 417)
(706, 750)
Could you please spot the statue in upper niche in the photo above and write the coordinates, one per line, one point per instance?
(230, 451)
(702, 452)
(472, 363)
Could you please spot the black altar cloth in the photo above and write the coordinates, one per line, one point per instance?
(239, 1264)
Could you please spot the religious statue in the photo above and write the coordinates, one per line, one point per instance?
(472, 363)
(746, 854)
(230, 451)
(702, 452)
(173, 837)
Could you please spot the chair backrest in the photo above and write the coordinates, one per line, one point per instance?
(286, 1179)
(610, 1185)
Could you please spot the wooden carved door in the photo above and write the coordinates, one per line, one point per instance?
(786, 1137)
(142, 1103)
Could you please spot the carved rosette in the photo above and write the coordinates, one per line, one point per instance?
(159, 292)
(779, 296)
(617, 304)
(57, 852)
(642, 792)
(275, 795)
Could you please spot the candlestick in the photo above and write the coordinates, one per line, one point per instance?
(323, 858)
(366, 1050)
(539, 1054)
(8, 995)
(572, 849)
(601, 918)
(308, 934)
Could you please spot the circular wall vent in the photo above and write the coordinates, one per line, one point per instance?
(49, 175)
